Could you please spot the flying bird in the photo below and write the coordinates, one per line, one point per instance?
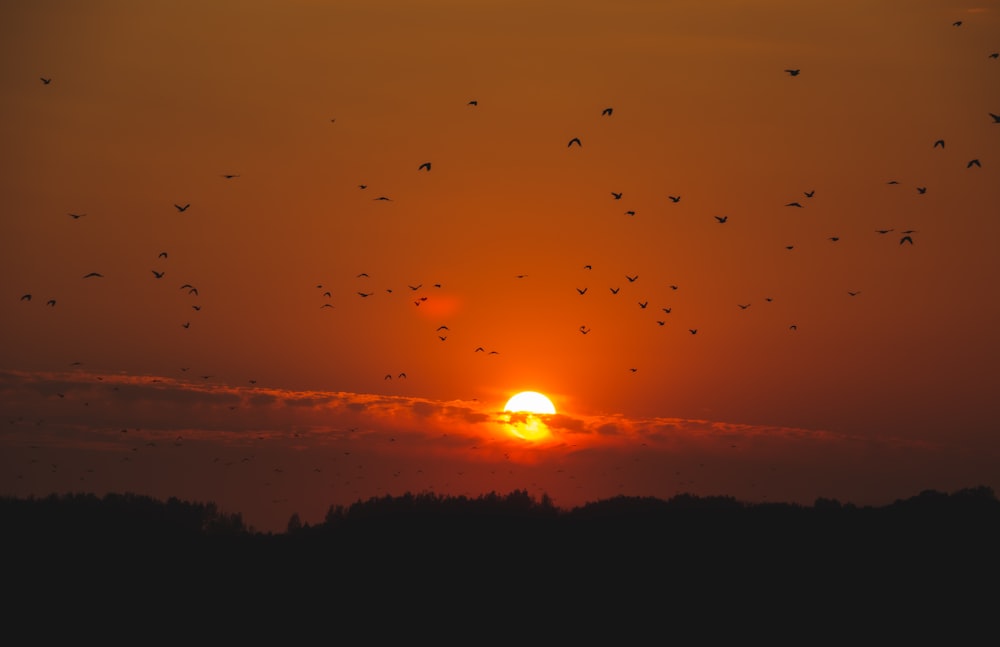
(921, 190)
(158, 275)
(230, 176)
(996, 118)
(582, 290)
(631, 279)
(425, 165)
(674, 198)
(643, 304)
(722, 218)
(939, 143)
(51, 302)
(794, 204)
(693, 331)
(93, 274)
(906, 239)
(618, 196)
(809, 194)
(607, 111)
(575, 140)
(182, 209)
(614, 290)
(382, 198)
(630, 213)
(77, 216)
(473, 103)
(974, 162)
(45, 81)
(25, 297)
(362, 186)
(793, 72)
(957, 23)
(162, 255)
(995, 55)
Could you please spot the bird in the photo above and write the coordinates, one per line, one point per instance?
(575, 140)
(45, 81)
(382, 198)
(630, 213)
(632, 279)
(362, 275)
(362, 186)
(794, 72)
(633, 370)
(722, 219)
(667, 310)
(883, 231)
(974, 162)
(582, 290)
(51, 302)
(77, 216)
(693, 331)
(402, 376)
(743, 306)
(614, 290)
(793, 327)
(473, 103)
(607, 111)
(957, 23)
(995, 55)
(939, 143)
(809, 194)
(158, 275)
(415, 287)
(854, 293)
(921, 190)
(588, 267)
(618, 196)
(182, 209)
(584, 329)
(25, 297)
(996, 118)
(643, 304)
(425, 165)
(906, 239)
(230, 176)
(387, 377)
(162, 255)
(186, 324)
(834, 238)
(893, 182)
(443, 327)
(93, 274)
(794, 204)
(366, 294)
(674, 198)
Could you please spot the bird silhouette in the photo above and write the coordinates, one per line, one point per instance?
(693, 331)
(93, 274)
(162, 255)
(618, 196)
(674, 198)
(974, 162)
(996, 118)
(995, 55)
(722, 219)
(906, 239)
(158, 275)
(632, 279)
(614, 290)
(575, 140)
(809, 194)
(743, 306)
(230, 176)
(882, 231)
(25, 297)
(182, 209)
(834, 238)
(45, 80)
(473, 103)
(629, 213)
(51, 302)
(921, 190)
(793, 72)
(939, 143)
(607, 111)
(382, 198)
(425, 165)
(584, 329)
(77, 216)
(794, 204)
(854, 293)
(582, 290)
(362, 186)
(365, 294)
(186, 324)
(643, 304)
(957, 23)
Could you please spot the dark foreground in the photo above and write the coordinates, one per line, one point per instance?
(424, 565)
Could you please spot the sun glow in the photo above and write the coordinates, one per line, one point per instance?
(523, 411)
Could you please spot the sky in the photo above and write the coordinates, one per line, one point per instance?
(743, 248)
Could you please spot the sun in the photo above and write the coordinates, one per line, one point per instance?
(523, 411)
(530, 402)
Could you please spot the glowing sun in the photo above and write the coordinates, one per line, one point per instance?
(530, 402)
(522, 412)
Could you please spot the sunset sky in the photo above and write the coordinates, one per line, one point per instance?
(226, 352)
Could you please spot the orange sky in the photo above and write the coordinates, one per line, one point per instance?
(274, 400)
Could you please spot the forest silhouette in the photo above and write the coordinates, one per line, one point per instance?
(640, 558)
